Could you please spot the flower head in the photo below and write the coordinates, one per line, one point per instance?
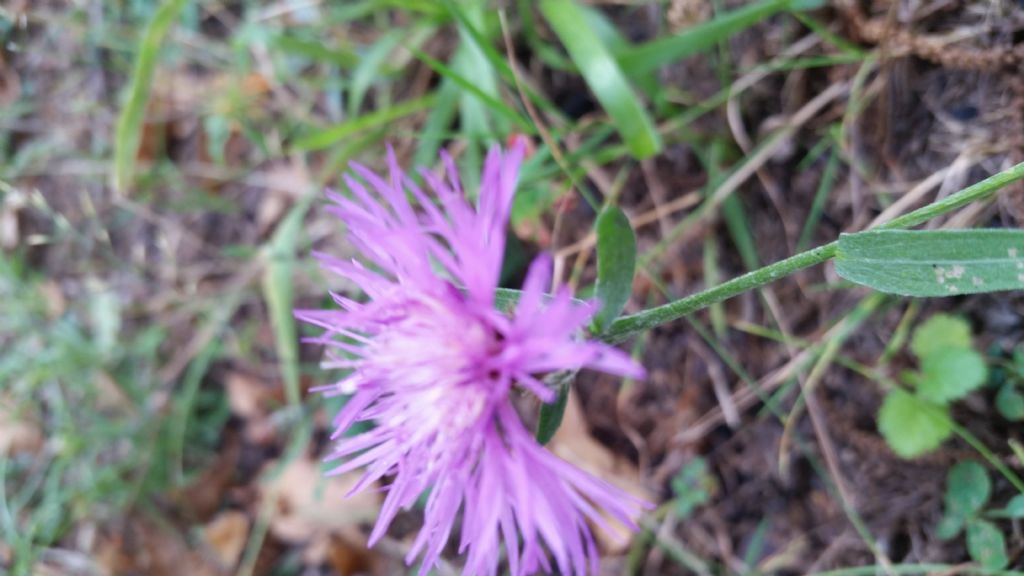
(432, 363)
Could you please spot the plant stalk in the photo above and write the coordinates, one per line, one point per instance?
(626, 326)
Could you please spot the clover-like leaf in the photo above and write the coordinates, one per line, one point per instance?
(1014, 509)
(986, 545)
(1010, 402)
(950, 374)
(967, 489)
(913, 426)
(940, 332)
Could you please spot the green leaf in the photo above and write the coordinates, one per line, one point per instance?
(505, 299)
(986, 545)
(128, 134)
(603, 76)
(692, 487)
(1010, 402)
(951, 374)
(279, 293)
(369, 69)
(616, 264)
(949, 526)
(939, 332)
(342, 57)
(967, 489)
(648, 57)
(550, 417)
(912, 426)
(933, 262)
(1014, 509)
(327, 137)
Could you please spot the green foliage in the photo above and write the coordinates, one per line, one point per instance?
(911, 425)
(645, 58)
(1010, 402)
(1009, 399)
(933, 262)
(692, 487)
(968, 490)
(129, 123)
(550, 417)
(603, 75)
(73, 374)
(950, 374)
(616, 264)
(939, 332)
(917, 421)
(986, 545)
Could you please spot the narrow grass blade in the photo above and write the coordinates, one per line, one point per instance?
(933, 262)
(439, 121)
(327, 137)
(470, 86)
(129, 123)
(648, 57)
(316, 50)
(603, 76)
(279, 294)
(368, 69)
(616, 264)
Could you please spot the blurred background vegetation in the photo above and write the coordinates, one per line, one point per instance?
(162, 167)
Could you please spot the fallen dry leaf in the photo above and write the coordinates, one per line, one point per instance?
(308, 504)
(248, 397)
(205, 495)
(573, 443)
(143, 546)
(284, 183)
(225, 537)
(17, 432)
(111, 396)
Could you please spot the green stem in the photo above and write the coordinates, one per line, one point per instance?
(628, 325)
(987, 454)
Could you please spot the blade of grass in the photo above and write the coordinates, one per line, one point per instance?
(645, 58)
(496, 58)
(129, 124)
(278, 292)
(342, 57)
(472, 88)
(320, 139)
(368, 69)
(604, 77)
(818, 204)
(438, 123)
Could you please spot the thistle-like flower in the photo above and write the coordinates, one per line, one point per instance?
(432, 363)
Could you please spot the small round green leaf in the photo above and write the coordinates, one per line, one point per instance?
(986, 545)
(1010, 402)
(913, 426)
(967, 489)
(950, 374)
(1014, 509)
(948, 527)
(939, 332)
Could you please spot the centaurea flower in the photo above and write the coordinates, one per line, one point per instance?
(432, 363)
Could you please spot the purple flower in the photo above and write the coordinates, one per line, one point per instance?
(432, 364)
